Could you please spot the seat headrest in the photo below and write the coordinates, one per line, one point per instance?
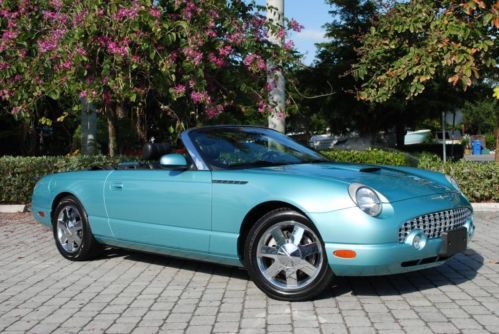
(154, 151)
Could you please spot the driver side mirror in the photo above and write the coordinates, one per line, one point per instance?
(173, 160)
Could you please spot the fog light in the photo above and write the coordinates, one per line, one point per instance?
(470, 227)
(416, 239)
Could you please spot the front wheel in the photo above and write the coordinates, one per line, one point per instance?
(285, 256)
(72, 233)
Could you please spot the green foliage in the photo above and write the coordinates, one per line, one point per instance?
(417, 41)
(18, 175)
(480, 116)
(479, 181)
(371, 156)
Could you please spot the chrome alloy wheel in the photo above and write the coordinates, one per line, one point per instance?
(289, 255)
(69, 229)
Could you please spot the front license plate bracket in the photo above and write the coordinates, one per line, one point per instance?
(453, 242)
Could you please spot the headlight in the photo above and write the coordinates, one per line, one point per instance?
(366, 199)
(453, 182)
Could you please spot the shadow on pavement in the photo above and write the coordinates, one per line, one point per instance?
(461, 268)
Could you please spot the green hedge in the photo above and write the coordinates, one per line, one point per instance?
(478, 180)
(18, 175)
(372, 156)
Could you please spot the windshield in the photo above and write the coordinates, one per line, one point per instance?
(247, 147)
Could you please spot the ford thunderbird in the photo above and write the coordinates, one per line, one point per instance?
(251, 197)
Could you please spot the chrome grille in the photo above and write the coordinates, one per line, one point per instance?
(433, 224)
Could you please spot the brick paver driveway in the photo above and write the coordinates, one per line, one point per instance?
(124, 291)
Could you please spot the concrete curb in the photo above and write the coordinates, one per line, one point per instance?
(12, 208)
(16, 208)
(485, 206)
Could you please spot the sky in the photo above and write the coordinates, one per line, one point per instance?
(312, 14)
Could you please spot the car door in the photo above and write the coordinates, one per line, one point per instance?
(160, 208)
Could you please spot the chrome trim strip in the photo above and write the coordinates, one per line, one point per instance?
(193, 152)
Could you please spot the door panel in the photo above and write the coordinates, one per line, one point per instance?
(160, 207)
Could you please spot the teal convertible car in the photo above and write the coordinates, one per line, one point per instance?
(252, 197)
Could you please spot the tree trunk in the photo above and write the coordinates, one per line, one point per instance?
(111, 129)
(140, 125)
(88, 128)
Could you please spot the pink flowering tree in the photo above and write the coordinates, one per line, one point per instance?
(195, 59)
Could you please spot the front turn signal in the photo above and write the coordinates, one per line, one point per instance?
(345, 253)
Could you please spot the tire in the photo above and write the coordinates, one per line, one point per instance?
(282, 267)
(72, 234)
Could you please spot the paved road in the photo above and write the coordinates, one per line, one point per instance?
(40, 292)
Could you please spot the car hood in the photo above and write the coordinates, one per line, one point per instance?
(392, 183)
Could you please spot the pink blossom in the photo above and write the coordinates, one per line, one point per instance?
(218, 62)
(7, 35)
(16, 110)
(115, 48)
(262, 106)
(289, 45)
(225, 51)
(214, 111)
(105, 80)
(200, 97)
(179, 89)
(295, 26)
(248, 60)
(269, 86)
(193, 55)
(81, 51)
(4, 66)
(83, 93)
(155, 12)
(281, 33)
(57, 4)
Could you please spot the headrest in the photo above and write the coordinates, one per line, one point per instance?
(154, 151)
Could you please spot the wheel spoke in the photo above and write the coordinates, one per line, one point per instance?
(291, 277)
(307, 267)
(309, 249)
(297, 234)
(267, 251)
(278, 236)
(273, 270)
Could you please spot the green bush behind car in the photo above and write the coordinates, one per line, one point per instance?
(479, 181)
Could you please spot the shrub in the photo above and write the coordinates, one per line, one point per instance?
(18, 175)
(372, 156)
(479, 181)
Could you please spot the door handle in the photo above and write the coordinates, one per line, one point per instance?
(116, 186)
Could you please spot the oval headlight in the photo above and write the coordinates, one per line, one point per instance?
(366, 199)
(453, 182)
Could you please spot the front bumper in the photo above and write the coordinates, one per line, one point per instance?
(384, 259)
(375, 240)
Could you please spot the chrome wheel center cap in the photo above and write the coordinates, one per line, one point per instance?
(288, 252)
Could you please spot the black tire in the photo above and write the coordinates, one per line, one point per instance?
(88, 248)
(258, 266)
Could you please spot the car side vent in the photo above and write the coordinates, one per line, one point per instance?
(229, 181)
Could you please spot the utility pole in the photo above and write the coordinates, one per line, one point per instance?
(444, 137)
(277, 96)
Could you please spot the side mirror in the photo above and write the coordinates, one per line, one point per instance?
(173, 160)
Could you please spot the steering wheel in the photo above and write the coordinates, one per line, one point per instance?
(270, 156)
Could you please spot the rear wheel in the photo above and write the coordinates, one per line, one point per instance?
(72, 233)
(285, 256)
